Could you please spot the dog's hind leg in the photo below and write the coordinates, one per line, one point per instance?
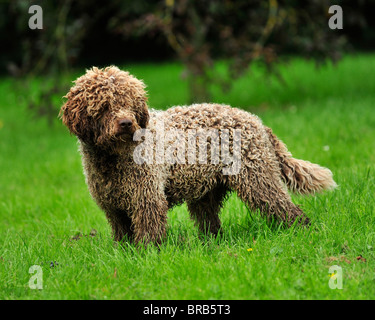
(261, 188)
(205, 211)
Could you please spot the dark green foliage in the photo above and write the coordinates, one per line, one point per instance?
(78, 33)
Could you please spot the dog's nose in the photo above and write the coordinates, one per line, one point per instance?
(125, 123)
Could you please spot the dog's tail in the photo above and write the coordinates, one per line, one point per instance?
(301, 176)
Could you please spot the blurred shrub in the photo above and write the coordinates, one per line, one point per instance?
(197, 32)
(241, 31)
(49, 52)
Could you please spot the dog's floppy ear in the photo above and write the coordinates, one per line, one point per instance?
(143, 116)
(73, 115)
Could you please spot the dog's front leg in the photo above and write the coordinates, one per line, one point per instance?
(149, 217)
(121, 224)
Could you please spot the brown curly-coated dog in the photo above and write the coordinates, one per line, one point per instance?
(106, 108)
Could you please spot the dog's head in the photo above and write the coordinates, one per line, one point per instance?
(104, 106)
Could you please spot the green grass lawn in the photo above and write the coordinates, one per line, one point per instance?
(48, 218)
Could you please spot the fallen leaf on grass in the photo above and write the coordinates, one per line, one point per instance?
(79, 235)
(232, 254)
(360, 258)
(341, 258)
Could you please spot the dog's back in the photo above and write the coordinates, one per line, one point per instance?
(183, 129)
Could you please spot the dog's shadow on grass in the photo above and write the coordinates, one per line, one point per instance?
(241, 233)
(241, 229)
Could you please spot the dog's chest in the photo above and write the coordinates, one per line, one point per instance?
(109, 182)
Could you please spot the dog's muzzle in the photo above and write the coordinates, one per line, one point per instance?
(125, 126)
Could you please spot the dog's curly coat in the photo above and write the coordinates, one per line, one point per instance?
(104, 109)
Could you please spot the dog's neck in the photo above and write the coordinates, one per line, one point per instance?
(120, 150)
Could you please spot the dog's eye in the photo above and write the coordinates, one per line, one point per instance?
(105, 106)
